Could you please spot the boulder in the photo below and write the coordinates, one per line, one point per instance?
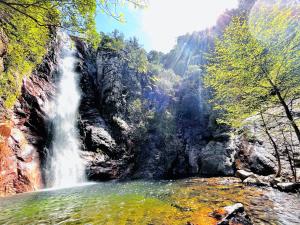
(99, 139)
(233, 214)
(101, 167)
(261, 162)
(242, 174)
(258, 180)
(216, 158)
(254, 155)
(289, 187)
(121, 124)
(253, 180)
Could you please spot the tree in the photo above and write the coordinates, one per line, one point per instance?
(137, 56)
(272, 142)
(155, 57)
(114, 41)
(256, 65)
(29, 25)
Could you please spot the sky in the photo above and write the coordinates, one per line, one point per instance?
(158, 26)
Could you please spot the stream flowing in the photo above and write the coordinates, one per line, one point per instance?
(149, 202)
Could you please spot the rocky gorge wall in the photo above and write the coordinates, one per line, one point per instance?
(180, 138)
(112, 143)
(132, 124)
(24, 130)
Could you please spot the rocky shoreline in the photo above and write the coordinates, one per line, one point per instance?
(279, 183)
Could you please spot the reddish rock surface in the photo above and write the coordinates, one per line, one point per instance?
(23, 131)
(19, 162)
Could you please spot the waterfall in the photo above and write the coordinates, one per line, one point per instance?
(65, 167)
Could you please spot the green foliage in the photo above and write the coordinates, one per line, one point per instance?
(115, 41)
(254, 60)
(155, 68)
(165, 124)
(26, 48)
(28, 25)
(135, 110)
(155, 65)
(146, 118)
(137, 56)
(130, 50)
(155, 57)
(167, 81)
(140, 114)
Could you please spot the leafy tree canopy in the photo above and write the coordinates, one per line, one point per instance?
(29, 24)
(130, 50)
(256, 63)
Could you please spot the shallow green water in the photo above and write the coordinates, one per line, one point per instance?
(142, 202)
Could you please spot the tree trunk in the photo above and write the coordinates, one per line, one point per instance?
(274, 145)
(293, 156)
(290, 158)
(288, 114)
(293, 169)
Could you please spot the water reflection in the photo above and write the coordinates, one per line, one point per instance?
(142, 202)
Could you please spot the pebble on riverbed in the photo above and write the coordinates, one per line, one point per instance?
(232, 215)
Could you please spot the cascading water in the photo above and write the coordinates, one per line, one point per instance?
(65, 167)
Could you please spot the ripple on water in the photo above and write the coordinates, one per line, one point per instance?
(142, 202)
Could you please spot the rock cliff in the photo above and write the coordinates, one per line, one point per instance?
(24, 129)
(179, 139)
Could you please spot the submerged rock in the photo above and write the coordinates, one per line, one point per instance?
(234, 214)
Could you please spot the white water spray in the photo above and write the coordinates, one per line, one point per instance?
(65, 167)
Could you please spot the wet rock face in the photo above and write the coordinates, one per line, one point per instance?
(20, 162)
(104, 134)
(255, 156)
(190, 143)
(108, 133)
(24, 130)
(217, 159)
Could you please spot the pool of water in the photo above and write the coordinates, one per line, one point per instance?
(146, 202)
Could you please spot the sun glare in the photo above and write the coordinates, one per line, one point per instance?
(165, 20)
